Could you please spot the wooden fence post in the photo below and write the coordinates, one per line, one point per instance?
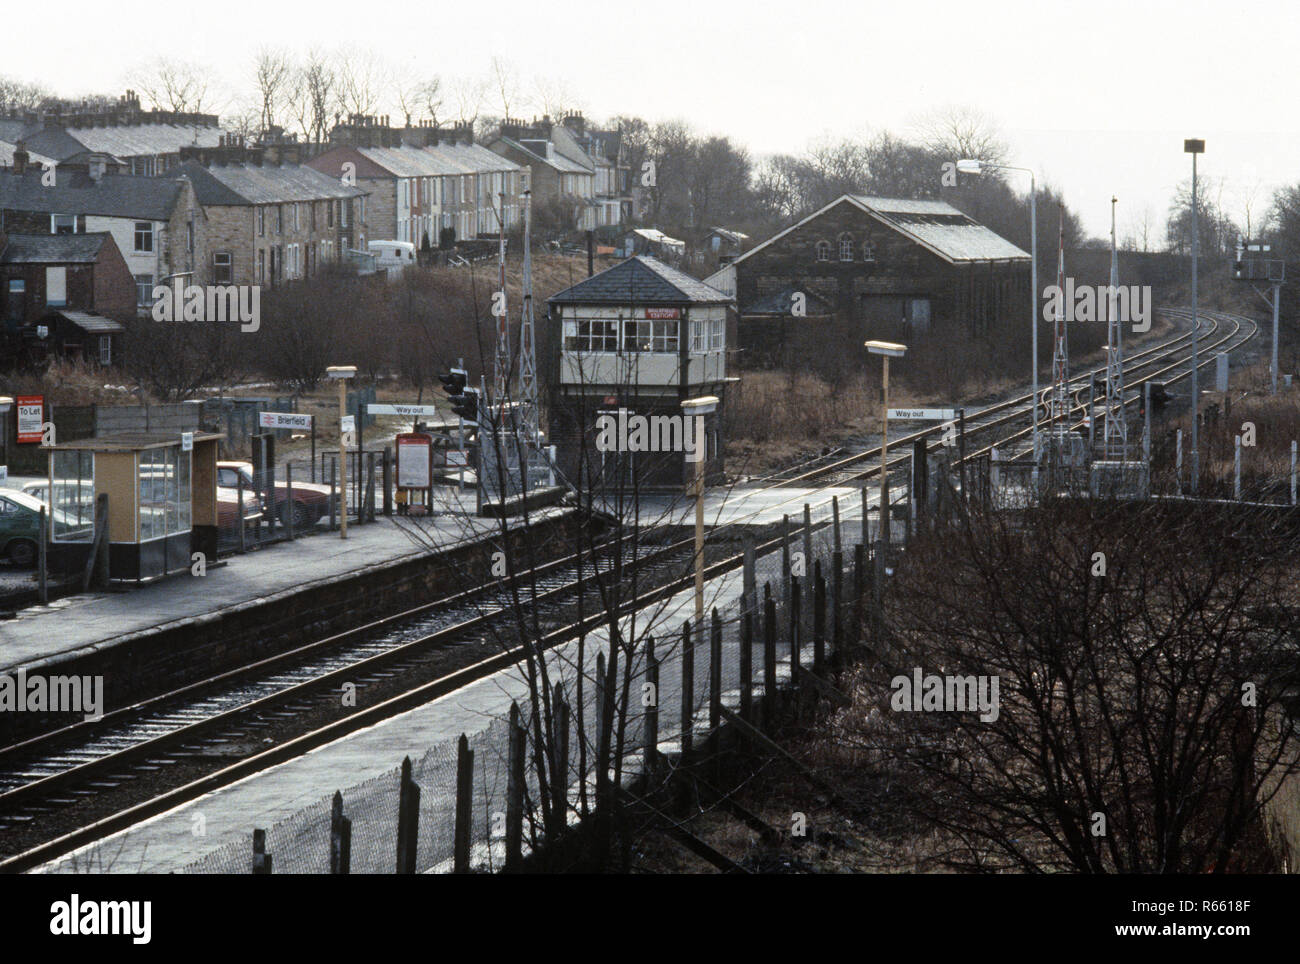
(515, 792)
(688, 687)
(386, 475)
(835, 522)
(560, 775)
(747, 665)
(334, 493)
(288, 502)
(807, 538)
(859, 590)
(715, 671)
(261, 859)
(464, 805)
(340, 838)
(819, 618)
(42, 565)
(769, 656)
(837, 602)
(785, 558)
(650, 721)
(408, 820)
(794, 618)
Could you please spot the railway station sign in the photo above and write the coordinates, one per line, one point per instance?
(410, 411)
(284, 420)
(923, 414)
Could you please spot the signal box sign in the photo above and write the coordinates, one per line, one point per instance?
(31, 416)
(663, 313)
(414, 460)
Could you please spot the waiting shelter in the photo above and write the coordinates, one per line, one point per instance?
(161, 494)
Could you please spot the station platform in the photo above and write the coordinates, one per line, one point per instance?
(39, 637)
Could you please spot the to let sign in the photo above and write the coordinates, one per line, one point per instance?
(31, 416)
(283, 420)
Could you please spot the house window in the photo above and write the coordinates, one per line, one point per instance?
(261, 266)
(596, 335)
(144, 236)
(345, 208)
(222, 269)
(717, 334)
(106, 349)
(329, 213)
(17, 300)
(823, 250)
(63, 224)
(56, 287)
(279, 219)
(868, 251)
(189, 236)
(144, 290)
(659, 337)
(846, 247)
(261, 222)
(312, 208)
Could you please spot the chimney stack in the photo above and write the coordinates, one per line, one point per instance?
(21, 158)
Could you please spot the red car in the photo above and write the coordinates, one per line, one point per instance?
(310, 501)
(228, 500)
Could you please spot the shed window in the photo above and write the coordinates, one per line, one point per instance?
(164, 478)
(650, 336)
(593, 335)
(106, 349)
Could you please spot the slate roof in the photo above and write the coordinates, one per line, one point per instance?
(935, 225)
(435, 161)
(7, 149)
(13, 128)
(943, 228)
(557, 160)
(53, 248)
(54, 142)
(90, 322)
(74, 192)
(779, 303)
(248, 184)
(128, 140)
(640, 281)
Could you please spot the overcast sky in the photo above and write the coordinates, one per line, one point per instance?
(1097, 97)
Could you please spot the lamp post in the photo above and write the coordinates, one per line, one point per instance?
(974, 166)
(886, 350)
(1194, 147)
(698, 408)
(341, 374)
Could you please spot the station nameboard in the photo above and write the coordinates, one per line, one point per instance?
(283, 420)
(923, 414)
(664, 313)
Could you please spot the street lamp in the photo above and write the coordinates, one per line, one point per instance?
(704, 405)
(973, 166)
(886, 350)
(1194, 146)
(341, 374)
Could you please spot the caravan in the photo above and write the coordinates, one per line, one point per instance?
(392, 255)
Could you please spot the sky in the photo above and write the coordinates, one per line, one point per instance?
(1096, 98)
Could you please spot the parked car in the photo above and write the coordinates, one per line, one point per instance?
(228, 500)
(310, 501)
(20, 527)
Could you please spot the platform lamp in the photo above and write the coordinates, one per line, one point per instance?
(341, 374)
(886, 350)
(691, 407)
(1195, 146)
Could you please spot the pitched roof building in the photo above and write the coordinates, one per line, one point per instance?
(891, 268)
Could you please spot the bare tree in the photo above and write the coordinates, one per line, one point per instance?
(555, 97)
(173, 85)
(359, 80)
(19, 95)
(275, 78)
(955, 132)
(506, 86)
(467, 95)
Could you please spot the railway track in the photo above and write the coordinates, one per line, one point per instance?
(223, 719)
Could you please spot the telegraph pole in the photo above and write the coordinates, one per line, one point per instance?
(1194, 147)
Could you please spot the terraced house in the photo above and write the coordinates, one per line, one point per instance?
(267, 223)
(425, 182)
(156, 223)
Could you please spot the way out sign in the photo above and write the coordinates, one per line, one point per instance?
(284, 420)
(922, 414)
